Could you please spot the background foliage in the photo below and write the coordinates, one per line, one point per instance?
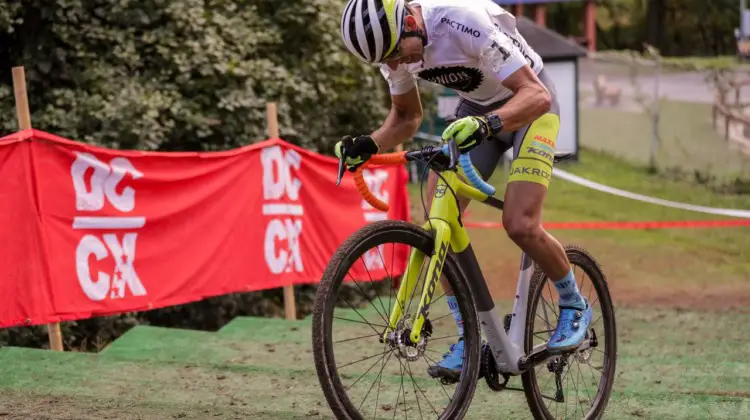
(675, 27)
(183, 75)
(197, 74)
(186, 75)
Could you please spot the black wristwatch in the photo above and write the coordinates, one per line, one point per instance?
(495, 123)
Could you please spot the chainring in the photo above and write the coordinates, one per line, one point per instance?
(489, 368)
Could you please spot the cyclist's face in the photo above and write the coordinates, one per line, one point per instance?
(410, 50)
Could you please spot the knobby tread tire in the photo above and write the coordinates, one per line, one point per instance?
(389, 231)
(583, 259)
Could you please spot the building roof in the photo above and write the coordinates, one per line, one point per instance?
(549, 44)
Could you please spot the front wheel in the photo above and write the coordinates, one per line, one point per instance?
(361, 374)
(577, 384)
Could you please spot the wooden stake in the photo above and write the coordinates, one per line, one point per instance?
(24, 123)
(290, 308)
(590, 24)
(540, 14)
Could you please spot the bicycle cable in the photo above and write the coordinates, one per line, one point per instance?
(421, 189)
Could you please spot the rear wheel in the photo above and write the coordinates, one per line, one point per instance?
(576, 384)
(363, 376)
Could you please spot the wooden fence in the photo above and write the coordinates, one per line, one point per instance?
(731, 112)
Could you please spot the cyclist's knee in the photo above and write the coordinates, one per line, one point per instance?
(522, 228)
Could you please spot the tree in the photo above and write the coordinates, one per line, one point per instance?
(186, 75)
(656, 14)
(675, 27)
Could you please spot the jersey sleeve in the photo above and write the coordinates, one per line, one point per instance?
(483, 38)
(499, 56)
(400, 80)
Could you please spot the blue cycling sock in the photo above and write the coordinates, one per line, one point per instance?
(453, 304)
(567, 288)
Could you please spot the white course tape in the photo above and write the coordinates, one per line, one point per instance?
(622, 193)
(627, 194)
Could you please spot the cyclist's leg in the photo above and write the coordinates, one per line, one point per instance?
(529, 178)
(485, 158)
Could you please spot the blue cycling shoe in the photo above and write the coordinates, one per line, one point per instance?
(572, 326)
(450, 367)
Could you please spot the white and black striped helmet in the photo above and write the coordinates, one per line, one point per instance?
(371, 29)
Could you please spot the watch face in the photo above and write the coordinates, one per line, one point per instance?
(495, 123)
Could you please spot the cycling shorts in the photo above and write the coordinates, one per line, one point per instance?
(533, 145)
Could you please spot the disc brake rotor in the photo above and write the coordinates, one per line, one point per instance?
(400, 340)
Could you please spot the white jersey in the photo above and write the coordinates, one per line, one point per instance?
(473, 45)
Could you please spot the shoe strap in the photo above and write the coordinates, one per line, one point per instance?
(572, 307)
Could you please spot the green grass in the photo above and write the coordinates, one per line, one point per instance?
(688, 140)
(676, 361)
(672, 364)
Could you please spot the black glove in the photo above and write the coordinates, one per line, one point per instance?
(357, 150)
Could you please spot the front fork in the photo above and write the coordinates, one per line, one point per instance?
(442, 233)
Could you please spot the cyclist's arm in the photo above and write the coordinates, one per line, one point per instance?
(530, 101)
(406, 108)
(498, 56)
(402, 122)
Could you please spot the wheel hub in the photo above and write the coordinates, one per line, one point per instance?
(400, 341)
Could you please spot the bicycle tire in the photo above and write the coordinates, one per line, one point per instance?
(583, 259)
(369, 236)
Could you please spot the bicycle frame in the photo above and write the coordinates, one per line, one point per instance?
(445, 222)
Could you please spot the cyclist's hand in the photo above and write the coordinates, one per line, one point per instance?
(358, 150)
(469, 132)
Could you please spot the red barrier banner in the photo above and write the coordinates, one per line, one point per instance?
(89, 231)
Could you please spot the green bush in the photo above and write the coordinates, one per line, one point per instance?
(187, 75)
(183, 75)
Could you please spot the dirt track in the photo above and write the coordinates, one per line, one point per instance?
(717, 299)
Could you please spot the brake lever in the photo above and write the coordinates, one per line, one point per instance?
(342, 166)
(453, 153)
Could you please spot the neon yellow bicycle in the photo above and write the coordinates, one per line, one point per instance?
(393, 340)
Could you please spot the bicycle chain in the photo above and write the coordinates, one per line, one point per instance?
(489, 367)
(491, 375)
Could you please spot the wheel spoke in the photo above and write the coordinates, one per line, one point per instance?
(573, 381)
(360, 322)
(441, 384)
(364, 358)
(380, 381)
(444, 337)
(380, 375)
(382, 356)
(356, 283)
(365, 350)
(414, 387)
(356, 338)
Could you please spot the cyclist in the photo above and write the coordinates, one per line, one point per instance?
(474, 48)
